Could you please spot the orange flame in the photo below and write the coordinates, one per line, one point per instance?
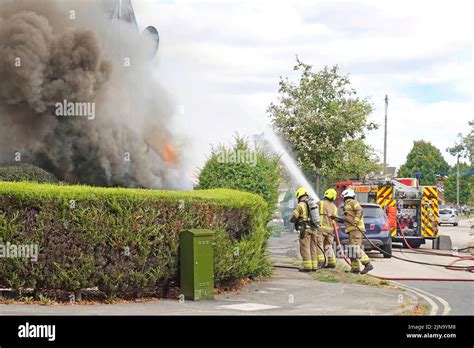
(168, 153)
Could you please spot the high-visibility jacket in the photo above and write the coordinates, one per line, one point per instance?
(300, 214)
(353, 216)
(326, 210)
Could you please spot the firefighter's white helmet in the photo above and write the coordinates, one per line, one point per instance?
(349, 193)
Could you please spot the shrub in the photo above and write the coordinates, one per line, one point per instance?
(245, 169)
(124, 240)
(25, 172)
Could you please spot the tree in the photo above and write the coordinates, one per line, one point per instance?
(242, 168)
(425, 159)
(464, 146)
(324, 123)
(466, 184)
(469, 143)
(359, 161)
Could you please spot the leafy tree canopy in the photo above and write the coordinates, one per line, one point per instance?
(464, 146)
(466, 184)
(425, 159)
(324, 122)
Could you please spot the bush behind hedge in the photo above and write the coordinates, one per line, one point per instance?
(258, 172)
(125, 240)
(26, 172)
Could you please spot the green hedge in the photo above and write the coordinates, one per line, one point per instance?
(25, 172)
(124, 240)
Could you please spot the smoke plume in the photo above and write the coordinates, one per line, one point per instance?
(58, 54)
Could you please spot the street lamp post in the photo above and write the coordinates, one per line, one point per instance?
(458, 174)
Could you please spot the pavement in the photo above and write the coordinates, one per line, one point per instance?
(287, 292)
(460, 237)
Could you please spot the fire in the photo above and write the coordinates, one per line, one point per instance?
(159, 141)
(169, 154)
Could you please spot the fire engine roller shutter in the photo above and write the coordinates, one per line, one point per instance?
(385, 199)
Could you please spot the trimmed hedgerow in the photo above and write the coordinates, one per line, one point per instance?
(124, 240)
(25, 172)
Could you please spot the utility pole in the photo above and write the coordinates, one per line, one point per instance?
(458, 174)
(385, 138)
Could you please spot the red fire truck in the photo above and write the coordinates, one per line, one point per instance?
(411, 209)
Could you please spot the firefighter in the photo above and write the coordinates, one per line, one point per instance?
(355, 227)
(327, 209)
(308, 242)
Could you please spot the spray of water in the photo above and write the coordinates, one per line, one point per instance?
(288, 161)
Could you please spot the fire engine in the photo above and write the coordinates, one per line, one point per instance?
(412, 210)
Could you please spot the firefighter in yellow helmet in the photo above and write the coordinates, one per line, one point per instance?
(308, 243)
(355, 227)
(327, 209)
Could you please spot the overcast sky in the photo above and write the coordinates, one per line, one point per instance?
(221, 60)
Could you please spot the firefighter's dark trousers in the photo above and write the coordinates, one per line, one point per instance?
(308, 249)
(355, 251)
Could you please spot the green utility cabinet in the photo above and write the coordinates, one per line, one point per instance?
(197, 264)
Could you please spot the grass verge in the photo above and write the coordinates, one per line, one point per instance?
(339, 275)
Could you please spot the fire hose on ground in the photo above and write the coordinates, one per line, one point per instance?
(449, 266)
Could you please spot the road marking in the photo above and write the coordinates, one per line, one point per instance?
(433, 305)
(249, 307)
(447, 307)
(275, 289)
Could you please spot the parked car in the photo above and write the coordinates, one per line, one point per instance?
(448, 216)
(377, 229)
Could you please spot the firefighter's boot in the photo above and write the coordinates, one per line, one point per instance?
(331, 262)
(368, 267)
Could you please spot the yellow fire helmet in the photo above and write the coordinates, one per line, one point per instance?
(301, 192)
(330, 194)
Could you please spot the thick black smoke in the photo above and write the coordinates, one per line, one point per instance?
(55, 54)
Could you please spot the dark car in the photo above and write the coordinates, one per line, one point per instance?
(377, 229)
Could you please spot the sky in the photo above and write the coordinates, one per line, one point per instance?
(221, 62)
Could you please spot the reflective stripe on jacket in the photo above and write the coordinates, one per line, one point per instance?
(353, 215)
(326, 210)
(300, 213)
